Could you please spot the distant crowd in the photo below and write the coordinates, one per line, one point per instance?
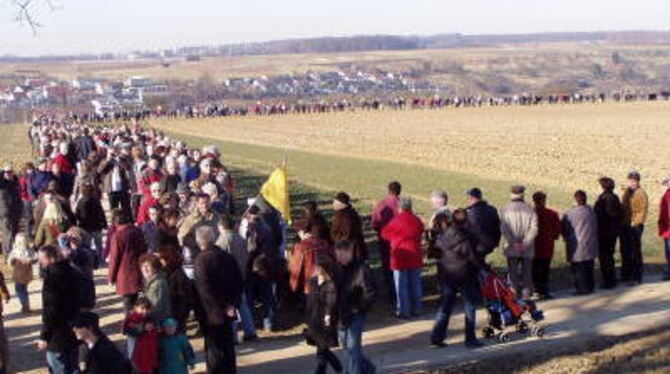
(161, 217)
(281, 107)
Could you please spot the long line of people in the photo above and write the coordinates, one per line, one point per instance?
(160, 216)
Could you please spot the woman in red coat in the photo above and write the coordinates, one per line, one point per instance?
(664, 225)
(404, 232)
(124, 268)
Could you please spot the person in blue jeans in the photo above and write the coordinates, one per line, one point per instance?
(357, 294)
(460, 267)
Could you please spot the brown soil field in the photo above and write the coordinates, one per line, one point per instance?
(562, 146)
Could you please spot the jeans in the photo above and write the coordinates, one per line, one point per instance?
(607, 246)
(246, 319)
(325, 356)
(408, 291)
(541, 269)
(96, 240)
(520, 271)
(583, 274)
(266, 294)
(631, 254)
(22, 293)
(220, 349)
(667, 256)
(63, 362)
(351, 340)
(470, 298)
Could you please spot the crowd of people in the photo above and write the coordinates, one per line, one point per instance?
(395, 102)
(161, 217)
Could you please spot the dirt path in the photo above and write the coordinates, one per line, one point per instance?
(573, 322)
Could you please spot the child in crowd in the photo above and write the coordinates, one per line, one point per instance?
(22, 258)
(176, 354)
(142, 333)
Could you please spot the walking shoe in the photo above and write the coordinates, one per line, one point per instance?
(474, 344)
(438, 344)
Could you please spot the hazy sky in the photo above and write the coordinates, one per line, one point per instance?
(122, 25)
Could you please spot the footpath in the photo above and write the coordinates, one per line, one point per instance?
(393, 345)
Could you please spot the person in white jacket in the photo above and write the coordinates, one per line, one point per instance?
(518, 224)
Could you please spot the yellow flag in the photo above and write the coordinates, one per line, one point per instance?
(275, 192)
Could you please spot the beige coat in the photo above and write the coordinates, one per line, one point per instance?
(518, 224)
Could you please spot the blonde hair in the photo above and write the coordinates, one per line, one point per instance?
(20, 242)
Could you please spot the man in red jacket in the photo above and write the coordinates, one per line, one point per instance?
(127, 245)
(404, 232)
(548, 231)
(664, 224)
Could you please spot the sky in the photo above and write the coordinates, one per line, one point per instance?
(96, 26)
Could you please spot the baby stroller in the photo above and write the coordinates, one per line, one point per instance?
(506, 312)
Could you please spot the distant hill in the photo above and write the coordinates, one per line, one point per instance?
(375, 43)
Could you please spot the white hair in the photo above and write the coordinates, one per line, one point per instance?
(205, 234)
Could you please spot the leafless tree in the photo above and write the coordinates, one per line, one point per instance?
(27, 11)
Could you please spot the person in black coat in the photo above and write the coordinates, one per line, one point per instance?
(219, 283)
(460, 267)
(483, 223)
(357, 294)
(90, 216)
(60, 306)
(11, 207)
(102, 356)
(609, 213)
(322, 314)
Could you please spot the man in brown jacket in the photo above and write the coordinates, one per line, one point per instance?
(635, 208)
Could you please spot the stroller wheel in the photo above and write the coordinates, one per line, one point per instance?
(522, 327)
(503, 338)
(539, 332)
(488, 332)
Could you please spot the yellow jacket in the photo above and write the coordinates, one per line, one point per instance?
(635, 206)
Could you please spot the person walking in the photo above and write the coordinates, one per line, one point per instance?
(219, 284)
(22, 258)
(518, 224)
(232, 243)
(126, 248)
(358, 293)
(460, 266)
(664, 224)
(635, 204)
(404, 233)
(91, 217)
(155, 287)
(580, 232)
(102, 355)
(61, 304)
(11, 207)
(610, 214)
(548, 231)
(322, 314)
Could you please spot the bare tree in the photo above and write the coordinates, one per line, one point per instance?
(27, 11)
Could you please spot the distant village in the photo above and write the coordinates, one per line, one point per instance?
(102, 95)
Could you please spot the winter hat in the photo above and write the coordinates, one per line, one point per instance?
(169, 322)
(343, 198)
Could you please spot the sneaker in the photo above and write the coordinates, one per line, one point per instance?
(474, 344)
